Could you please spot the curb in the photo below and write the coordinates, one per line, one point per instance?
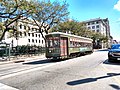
(22, 59)
(104, 49)
(5, 62)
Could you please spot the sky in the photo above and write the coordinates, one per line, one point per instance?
(82, 10)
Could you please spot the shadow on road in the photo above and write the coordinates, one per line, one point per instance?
(115, 86)
(44, 61)
(88, 80)
(38, 62)
(111, 63)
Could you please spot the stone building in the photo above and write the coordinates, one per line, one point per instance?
(101, 26)
(27, 34)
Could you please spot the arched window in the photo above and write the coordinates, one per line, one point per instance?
(25, 27)
(25, 34)
(28, 34)
(28, 40)
(28, 28)
(32, 34)
(20, 26)
(20, 33)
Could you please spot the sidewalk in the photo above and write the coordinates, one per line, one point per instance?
(21, 59)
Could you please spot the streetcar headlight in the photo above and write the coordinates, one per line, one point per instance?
(50, 51)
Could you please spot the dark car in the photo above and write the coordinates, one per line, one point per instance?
(114, 53)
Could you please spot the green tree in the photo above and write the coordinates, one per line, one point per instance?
(67, 26)
(99, 36)
(49, 14)
(73, 27)
(78, 28)
(45, 14)
(1, 28)
(13, 10)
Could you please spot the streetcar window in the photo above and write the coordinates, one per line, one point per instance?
(56, 43)
(71, 43)
(79, 44)
(50, 43)
(75, 44)
(47, 43)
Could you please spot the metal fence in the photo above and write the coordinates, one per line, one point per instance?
(27, 50)
(19, 51)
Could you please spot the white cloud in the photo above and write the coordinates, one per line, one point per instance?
(117, 6)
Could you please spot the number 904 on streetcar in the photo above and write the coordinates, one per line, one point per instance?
(62, 45)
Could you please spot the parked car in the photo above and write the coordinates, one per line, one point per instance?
(114, 53)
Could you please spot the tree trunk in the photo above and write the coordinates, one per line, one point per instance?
(42, 34)
(3, 34)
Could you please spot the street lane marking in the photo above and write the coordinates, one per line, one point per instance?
(27, 71)
(109, 71)
(6, 87)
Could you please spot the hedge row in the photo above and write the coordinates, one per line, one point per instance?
(22, 50)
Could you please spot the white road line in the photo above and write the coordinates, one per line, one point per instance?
(26, 71)
(6, 87)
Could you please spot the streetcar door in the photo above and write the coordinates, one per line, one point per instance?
(64, 46)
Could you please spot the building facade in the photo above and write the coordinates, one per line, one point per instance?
(101, 26)
(28, 34)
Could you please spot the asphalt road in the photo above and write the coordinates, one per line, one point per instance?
(89, 72)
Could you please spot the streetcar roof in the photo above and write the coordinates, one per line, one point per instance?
(61, 33)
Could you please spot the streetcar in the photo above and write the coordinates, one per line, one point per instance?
(62, 45)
